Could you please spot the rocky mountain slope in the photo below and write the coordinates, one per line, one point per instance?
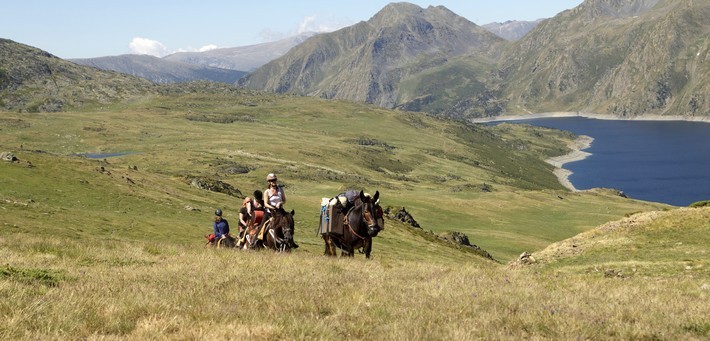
(620, 57)
(160, 70)
(370, 61)
(34, 80)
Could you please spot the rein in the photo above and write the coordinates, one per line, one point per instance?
(347, 222)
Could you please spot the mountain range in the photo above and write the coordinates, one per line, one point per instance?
(160, 70)
(512, 29)
(618, 57)
(625, 58)
(225, 65)
(243, 58)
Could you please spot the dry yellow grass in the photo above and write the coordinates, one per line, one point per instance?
(136, 290)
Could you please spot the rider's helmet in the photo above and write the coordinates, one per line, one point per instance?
(271, 177)
(218, 212)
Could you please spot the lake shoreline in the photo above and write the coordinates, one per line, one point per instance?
(582, 142)
(578, 146)
(562, 114)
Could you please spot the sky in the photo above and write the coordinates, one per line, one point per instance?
(97, 28)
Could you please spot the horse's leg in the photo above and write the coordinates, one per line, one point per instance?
(368, 247)
(328, 245)
(348, 250)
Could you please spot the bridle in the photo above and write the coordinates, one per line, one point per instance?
(367, 217)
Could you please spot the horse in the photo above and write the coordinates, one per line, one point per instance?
(362, 222)
(279, 231)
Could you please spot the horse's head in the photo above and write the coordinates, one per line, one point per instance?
(284, 220)
(372, 213)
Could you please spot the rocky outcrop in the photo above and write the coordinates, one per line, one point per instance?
(461, 240)
(7, 156)
(401, 215)
(213, 185)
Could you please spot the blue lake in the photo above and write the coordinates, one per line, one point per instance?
(661, 161)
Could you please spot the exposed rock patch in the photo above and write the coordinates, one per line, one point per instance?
(9, 157)
(403, 216)
(213, 186)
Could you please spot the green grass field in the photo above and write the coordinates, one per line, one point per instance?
(113, 248)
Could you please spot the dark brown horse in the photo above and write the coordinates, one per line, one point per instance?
(362, 222)
(279, 233)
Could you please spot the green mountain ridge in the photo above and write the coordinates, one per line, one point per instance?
(368, 61)
(36, 81)
(625, 58)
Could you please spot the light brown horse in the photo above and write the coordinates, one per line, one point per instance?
(362, 222)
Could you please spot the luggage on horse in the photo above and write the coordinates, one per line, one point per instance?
(332, 218)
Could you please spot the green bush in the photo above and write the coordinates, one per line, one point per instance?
(700, 203)
(40, 276)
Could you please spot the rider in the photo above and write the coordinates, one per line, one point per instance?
(221, 225)
(245, 214)
(275, 196)
(275, 199)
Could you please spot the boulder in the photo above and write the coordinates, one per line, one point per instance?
(403, 216)
(9, 157)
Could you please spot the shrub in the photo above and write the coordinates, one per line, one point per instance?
(703, 203)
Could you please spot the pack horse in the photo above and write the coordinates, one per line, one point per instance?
(349, 222)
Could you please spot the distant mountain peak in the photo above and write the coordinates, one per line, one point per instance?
(512, 29)
(401, 11)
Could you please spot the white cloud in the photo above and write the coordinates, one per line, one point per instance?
(208, 47)
(315, 24)
(310, 23)
(148, 46)
(155, 48)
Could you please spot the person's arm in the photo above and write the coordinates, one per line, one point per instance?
(242, 222)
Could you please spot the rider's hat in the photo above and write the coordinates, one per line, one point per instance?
(271, 177)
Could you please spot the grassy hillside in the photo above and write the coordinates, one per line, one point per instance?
(104, 248)
(664, 244)
(438, 170)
